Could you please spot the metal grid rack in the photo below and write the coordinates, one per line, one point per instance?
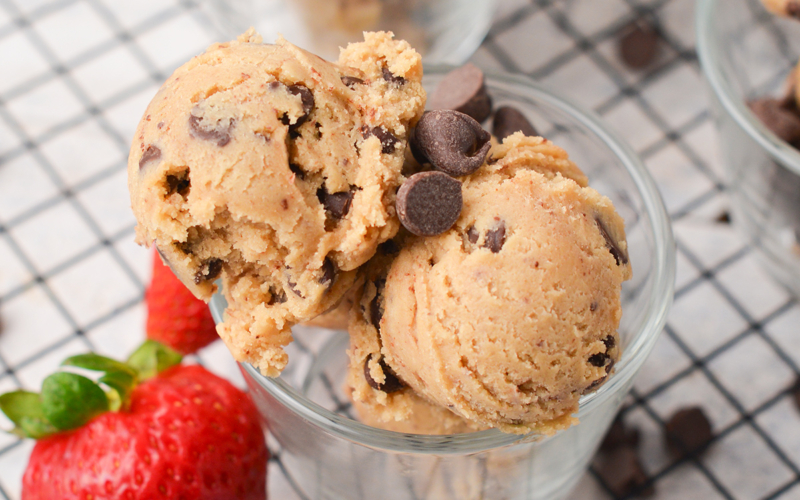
(77, 74)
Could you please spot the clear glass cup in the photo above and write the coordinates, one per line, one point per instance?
(329, 455)
(443, 31)
(748, 53)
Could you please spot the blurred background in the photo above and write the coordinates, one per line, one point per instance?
(76, 75)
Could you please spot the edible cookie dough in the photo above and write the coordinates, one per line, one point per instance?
(276, 171)
(508, 317)
(790, 8)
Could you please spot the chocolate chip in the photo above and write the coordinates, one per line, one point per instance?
(328, 273)
(472, 235)
(375, 311)
(391, 383)
(464, 90)
(495, 238)
(276, 297)
(508, 120)
(388, 139)
(453, 142)
(336, 204)
(306, 97)
(778, 117)
(688, 432)
(351, 81)
(293, 287)
(388, 247)
(622, 473)
(429, 203)
(297, 170)
(610, 342)
(220, 133)
(599, 360)
(793, 9)
(593, 306)
(208, 271)
(620, 256)
(178, 184)
(639, 44)
(390, 77)
(724, 218)
(152, 153)
(620, 435)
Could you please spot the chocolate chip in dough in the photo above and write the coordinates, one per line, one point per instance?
(388, 139)
(688, 432)
(599, 359)
(619, 255)
(508, 120)
(336, 204)
(297, 171)
(429, 203)
(391, 382)
(779, 117)
(375, 311)
(351, 81)
(152, 153)
(452, 142)
(276, 297)
(328, 273)
(495, 237)
(639, 44)
(389, 247)
(179, 183)
(307, 99)
(392, 78)
(220, 133)
(208, 271)
(622, 473)
(472, 235)
(464, 90)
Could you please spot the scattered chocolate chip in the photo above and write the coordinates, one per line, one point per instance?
(388, 139)
(620, 256)
(724, 218)
(375, 311)
(220, 133)
(508, 120)
(336, 204)
(453, 142)
(622, 473)
(391, 78)
(599, 359)
(306, 97)
(328, 273)
(297, 170)
(178, 184)
(464, 90)
(208, 271)
(276, 297)
(429, 203)
(388, 247)
(495, 238)
(781, 119)
(391, 382)
(639, 44)
(152, 153)
(472, 235)
(351, 81)
(620, 435)
(688, 432)
(593, 306)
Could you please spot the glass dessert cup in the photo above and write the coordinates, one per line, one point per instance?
(747, 53)
(443, 31)
(329, 455)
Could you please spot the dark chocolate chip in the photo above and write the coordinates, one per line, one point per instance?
(600, 359)
(293, 287)
(453, 142)
(391, 382)
(306, 97)
(388, 247)
(508, 120)
(152, 153)
(610, 342)
(618, 435)
(793, 9)
(472, 235)
(639, 44)
(351, 81)
(220, 133)
(688, 432)
(779, 118)
(620, 256)
(496, 237)
(724, 218)
(464, 90)
(622, 473)
(429, 203)
(375, 310)
(208, 271)
(336, 204)
(593, 306)
(388, 139)
(390, 77)
(178, 184)
(328, 273)
(297, 170)
(276, 297)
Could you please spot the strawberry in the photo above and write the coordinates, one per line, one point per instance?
(175, 317)
(178, 432)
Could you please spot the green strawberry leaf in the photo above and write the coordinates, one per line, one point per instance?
(122, 384)
(25, 410)
(95, 362)
(34, 427)
(70, 400)
(152, 358)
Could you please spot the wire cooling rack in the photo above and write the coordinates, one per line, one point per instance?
(76, 75)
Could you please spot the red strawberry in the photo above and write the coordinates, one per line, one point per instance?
(175, 317)
(185, 434)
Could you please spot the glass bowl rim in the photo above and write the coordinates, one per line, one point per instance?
(661, 288)
(470, 43)
(709, 50)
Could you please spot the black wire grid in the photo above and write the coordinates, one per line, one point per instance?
(76, 75)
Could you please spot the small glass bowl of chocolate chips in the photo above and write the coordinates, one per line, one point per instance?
(749, 56)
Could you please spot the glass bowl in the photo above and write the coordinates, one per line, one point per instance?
(747, 53)
(443, 31)
(329, 455)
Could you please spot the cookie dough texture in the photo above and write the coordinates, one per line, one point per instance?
(275, 171)
(512, 314)
(789, 8)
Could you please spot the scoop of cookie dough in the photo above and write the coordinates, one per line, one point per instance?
(789, 8)
(511, 315)
(276, 171)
